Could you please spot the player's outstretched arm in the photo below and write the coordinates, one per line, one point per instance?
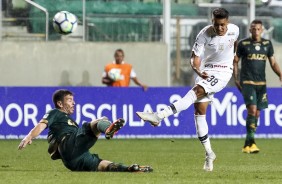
(236, 72)
(32, 134)
(275, 67)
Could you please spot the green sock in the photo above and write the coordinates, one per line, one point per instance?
(113, 167)
(251, 129)
(256, 125)
(102, 125)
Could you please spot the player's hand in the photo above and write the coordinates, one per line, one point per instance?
(24, 142)
(237, 83)
(107, 80)
(204, 75)
(145, 87)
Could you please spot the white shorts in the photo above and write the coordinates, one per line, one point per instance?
(215, 83)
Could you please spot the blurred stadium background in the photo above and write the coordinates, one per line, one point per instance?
(34, 61)
(156, 35)
(105, 25)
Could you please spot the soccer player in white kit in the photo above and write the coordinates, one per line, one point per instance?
(212, 59)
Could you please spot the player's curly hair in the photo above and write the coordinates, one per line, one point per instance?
(220, 13)
(59, 95)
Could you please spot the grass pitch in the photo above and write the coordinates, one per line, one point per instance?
(174, 161)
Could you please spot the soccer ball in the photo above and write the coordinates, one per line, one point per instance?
(114, 74)
(64, 22)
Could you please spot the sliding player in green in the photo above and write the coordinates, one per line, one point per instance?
(71, 143)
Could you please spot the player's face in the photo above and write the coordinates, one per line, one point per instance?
(67, 105)
(220, 26)
(119, 57)
(256, 31)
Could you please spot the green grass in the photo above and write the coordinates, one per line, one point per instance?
(173, 160)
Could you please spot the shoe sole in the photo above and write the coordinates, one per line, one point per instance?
(245, 151)
(143, 169)
(152, 123)
(146, 169)
(116, 126)
(255, 151)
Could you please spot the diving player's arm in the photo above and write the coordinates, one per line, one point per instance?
(33, 133)
(195, 64)
(275, 67)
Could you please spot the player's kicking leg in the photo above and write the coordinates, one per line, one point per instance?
(151, 117)
(113, 128)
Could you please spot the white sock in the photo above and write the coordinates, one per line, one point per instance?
(202, 132)
(167, 111)
(179, 105)
(186, 101)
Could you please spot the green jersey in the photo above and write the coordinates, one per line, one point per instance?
(73, 149)
(60, 123)
(254, 56)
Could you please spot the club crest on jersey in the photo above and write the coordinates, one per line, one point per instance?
(257, 47)
(221, 46)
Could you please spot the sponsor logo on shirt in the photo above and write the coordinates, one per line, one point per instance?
(215, 66)
(246, 42)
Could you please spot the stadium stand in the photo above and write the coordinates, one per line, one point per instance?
(102, 21)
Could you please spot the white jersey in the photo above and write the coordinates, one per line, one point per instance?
(216, 52)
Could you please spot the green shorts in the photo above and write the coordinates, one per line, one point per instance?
(74, 150)
(255, 95)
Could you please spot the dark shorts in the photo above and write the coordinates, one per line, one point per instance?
(74, 150)
(255, 95)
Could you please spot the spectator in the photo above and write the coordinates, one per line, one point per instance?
(118, 73)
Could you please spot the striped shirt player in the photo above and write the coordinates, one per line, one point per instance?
(212, 59)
